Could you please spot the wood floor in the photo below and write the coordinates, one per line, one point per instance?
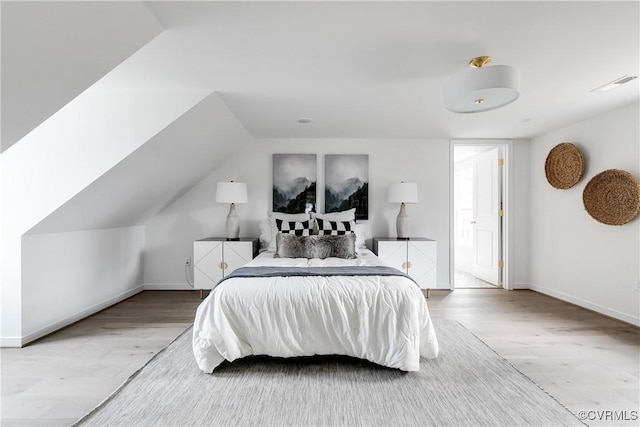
(587, 361)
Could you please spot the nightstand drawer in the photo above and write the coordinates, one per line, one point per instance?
(416, 257)
(215, 257)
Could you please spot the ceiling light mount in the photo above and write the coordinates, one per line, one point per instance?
(481, 88)
(479, 61)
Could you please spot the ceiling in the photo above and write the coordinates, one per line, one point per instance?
(377, 69)
(357, 69)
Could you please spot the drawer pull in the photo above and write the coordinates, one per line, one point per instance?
(407, 265)
(223, 266)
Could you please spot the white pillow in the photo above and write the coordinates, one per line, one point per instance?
(265, 235)
(348, 215)
(361, 236)
(271, 246)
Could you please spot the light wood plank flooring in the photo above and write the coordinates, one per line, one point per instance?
(587, 361)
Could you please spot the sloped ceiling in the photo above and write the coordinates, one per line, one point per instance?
(156, 174)
(52, 51)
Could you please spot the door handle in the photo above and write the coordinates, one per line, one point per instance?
(473, 222)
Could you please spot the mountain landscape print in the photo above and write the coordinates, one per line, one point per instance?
(294, 183)
(347, 183)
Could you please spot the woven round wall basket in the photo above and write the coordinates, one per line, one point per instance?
(564, 166)
(612, 197)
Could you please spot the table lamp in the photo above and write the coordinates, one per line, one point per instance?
(403, 192)
(232, 192)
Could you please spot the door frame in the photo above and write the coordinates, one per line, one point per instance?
(507, 197)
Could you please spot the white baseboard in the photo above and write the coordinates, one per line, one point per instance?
(518, 286)
(167, 287)
(441, 286)
(586, 304)
(75, 317)
(10, 342)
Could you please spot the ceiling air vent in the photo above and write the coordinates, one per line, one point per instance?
(614, 84)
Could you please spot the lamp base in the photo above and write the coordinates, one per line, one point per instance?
(233, 223)
(402, 224)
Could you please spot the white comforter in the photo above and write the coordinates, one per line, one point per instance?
(383, 319)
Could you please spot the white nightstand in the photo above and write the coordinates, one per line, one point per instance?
(416, 257)
(216, 257)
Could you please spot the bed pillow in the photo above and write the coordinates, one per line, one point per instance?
(265, 235)
(340, 246)
(348, 215)
(297, 228)
(361, 236)
(335, 228)
(271, 239)
(292, 246)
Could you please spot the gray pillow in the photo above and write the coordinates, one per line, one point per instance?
(340, 246)
(291, 246)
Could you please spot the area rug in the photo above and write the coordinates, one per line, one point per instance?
(467, 385)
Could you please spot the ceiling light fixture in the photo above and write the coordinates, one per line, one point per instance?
(614, 84)
(482, 88)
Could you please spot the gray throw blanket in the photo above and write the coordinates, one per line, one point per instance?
(377, 270)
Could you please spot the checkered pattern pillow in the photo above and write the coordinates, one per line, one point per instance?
(335, 228)
(294, 227)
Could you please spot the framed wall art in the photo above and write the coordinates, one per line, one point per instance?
(347, 183)
(294, 183)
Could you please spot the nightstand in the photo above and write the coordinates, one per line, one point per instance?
(416, 257)
(216, 257)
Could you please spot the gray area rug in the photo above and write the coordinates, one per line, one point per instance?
(468, 384)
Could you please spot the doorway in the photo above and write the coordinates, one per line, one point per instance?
(478, 216)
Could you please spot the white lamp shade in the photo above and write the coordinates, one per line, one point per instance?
(231, 192)
(403, 192)
(482, 89)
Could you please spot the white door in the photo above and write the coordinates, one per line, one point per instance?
(486, 206)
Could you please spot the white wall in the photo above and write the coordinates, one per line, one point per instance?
(171, 233)
(68, 276)
(520, 215)
(574, 257)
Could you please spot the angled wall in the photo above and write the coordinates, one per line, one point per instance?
(63, 156)
(89, 253)
(78, 144)
(54, 50)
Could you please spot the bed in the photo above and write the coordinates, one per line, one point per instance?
(285, 306)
